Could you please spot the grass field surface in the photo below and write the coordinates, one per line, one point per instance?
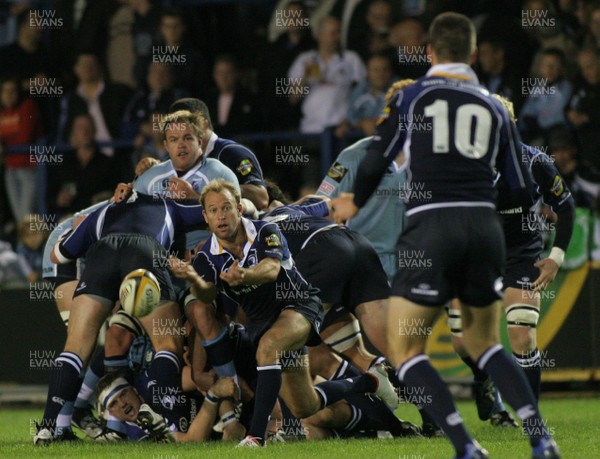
(575, 424)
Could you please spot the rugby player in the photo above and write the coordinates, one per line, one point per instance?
(249, 262)
(120, 237)
(526, 273)
(240, 159)
(456, 228)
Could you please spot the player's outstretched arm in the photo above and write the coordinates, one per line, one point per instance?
(264, 272)
(201, 289)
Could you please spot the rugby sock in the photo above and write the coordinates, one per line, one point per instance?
(478, 375)
(290, 424)
(93, 374)
(425, 418)
(531, 363)
(115, 424)
(498, 405)
(333, 391)
(345, 370)
(418, 373)
(377, 360)
(62, 388)
(510, 380)
(220, 352)
(268, 383)
(116, 363)
(164, 380)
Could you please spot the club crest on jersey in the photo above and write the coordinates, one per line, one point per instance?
(273, 240)
(557, 186)
(384, 116)
(337, 172)
(245, 167)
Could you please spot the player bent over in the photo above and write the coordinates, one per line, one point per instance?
(249, 262)
(116, 239)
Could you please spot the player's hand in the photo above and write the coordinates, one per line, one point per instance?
(225, 387)
(548, 269)
(144, 164)
(343, 207)
(122, 192)
(182, 269)
(179, 189)
(235, 275)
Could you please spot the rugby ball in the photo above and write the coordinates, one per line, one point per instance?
(139, 293)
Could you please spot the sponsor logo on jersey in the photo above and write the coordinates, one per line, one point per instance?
(245, 167)
(557, 186)
(337, 172)
(272, 240)
(326, 188)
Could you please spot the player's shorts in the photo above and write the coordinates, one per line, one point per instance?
(451, 253)
(344, 266)
(60, 274)
(335, 314)
(520, 273)
(312, 310)
(114, 256)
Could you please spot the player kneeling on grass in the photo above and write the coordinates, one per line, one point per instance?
(118, 398)
(281, 326)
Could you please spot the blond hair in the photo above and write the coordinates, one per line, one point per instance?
(508, 105)
(397, 86)
(220, 186)
(183, 117)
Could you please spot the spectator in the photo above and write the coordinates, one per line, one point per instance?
(234, 105)
(274, 64)
(104, 101)
(85, 172)
(120, 52)
(9, 12)
(14, 272)
(584, 113)
(374, 39)
(157, 98)
(367, 99)
(27, 57)
(495, 73)
(329, 74)
(146, 21)
(189, 68)
(149, 140)
(32, 236)
(19, 125)
(408, 51)
(547, 98)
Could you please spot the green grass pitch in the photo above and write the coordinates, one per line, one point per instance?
(574, 422)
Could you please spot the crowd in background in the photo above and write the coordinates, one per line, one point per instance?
(83, 74)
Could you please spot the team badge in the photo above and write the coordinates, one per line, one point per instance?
(384, 116)
(557, 186)
(272, 240)
(245, 167)
(337, 172)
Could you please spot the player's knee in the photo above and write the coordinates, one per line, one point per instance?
(345, 338)
(267, 349)
(204, 318)
(118, 339)
(521, 315)
(305, 409)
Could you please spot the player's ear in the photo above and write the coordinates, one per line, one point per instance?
(473, 57)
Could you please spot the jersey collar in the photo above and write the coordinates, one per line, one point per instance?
(217, 249)
(453, 70)
(210, 146)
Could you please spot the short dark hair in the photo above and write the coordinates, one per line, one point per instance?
(191, 104)
(556, 52)
(452, 37)
(107, 380)
(275, 193)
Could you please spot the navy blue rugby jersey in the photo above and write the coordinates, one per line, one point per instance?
(259, 302)
(453, 135)
(523, 226)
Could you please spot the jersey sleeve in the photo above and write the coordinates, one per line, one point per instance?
(270, 242)
(386, 145)
(243, 163)
(340, 177)
(75, 244)
(205, 267)
(314, 207)
(189, 216)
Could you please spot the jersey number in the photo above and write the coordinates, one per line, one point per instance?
(470, 146)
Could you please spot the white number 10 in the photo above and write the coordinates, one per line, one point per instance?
(465, 115)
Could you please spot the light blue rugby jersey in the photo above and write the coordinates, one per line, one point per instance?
(382, 218)
(155, 181)
(49, 268)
